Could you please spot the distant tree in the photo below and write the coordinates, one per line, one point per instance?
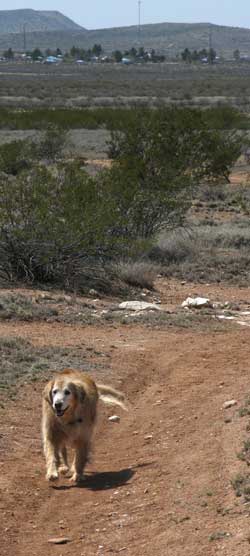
(195, 56)
(8, 54)
(84, 55)
(203, 53)
(156, 57)
(117, 56)
(186, 55)
(236, 54)
(58, 52)
(133, 52)
(141, 52)
(74, 52)
(97, 50)
(211, 55)
(36, 54)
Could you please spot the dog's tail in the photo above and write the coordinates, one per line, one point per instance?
(111, 396)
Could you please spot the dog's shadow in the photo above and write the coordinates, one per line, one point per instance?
(101, 481)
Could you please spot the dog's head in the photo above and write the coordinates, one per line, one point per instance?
(63, 395)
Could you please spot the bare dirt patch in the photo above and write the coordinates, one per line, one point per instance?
(160, 480)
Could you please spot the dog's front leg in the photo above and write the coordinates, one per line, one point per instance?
(52, 460)
(80, 460)
(64, 466)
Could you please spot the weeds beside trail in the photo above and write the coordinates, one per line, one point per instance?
(21, 362)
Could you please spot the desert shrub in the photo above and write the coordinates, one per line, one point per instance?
(47, 222)
(55, 227)
(51, 144)
(216, 192)
(225, 117)
(221, 117)
(159, 158)
(18, 156)
(64, 118)
(62, 226)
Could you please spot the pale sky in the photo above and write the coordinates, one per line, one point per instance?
(96, 14)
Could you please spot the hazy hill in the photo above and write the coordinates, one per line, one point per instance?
(12, 21)
(47, 29)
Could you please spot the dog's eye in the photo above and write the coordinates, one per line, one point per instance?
(66, 392)
(54, 391)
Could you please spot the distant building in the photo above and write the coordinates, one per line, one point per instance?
(52, 60)
(126, 61)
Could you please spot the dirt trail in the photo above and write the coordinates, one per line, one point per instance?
(160, 480)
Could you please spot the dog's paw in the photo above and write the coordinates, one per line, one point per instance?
(63, 469)
(76, 478)
(52, 476)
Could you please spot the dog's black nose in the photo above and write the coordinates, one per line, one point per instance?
(58, 405)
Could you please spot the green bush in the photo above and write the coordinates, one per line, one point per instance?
(12, 158)
(47, 223)
(158, 160)
(57, 223)
(51, 145)
(220, 117)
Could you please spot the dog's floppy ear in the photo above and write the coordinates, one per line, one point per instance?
(47, 393)
(78, 390)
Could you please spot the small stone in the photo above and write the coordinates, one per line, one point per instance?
(148, 437)
(59, 540)
(229, 403)
(227, 420)
(93, 292)
(114, 418)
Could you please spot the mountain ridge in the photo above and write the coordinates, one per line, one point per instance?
(51, 29)
(11, 21)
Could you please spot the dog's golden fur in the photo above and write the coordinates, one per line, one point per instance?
(72, 424)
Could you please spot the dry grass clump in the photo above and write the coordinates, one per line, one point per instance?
(218, 252)
(175, 247)
(21, 362)
(17, 306)
(241, 486)
(140, 274)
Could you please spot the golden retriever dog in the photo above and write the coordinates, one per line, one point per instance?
(69, 411)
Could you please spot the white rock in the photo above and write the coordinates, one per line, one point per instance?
(59, 540)
(139, 306)
(229, 403)
(225, 317)
(197, 302)
(114, 418)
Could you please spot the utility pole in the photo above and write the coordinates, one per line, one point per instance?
(139, 21)
(24, 38)
(210, 41)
